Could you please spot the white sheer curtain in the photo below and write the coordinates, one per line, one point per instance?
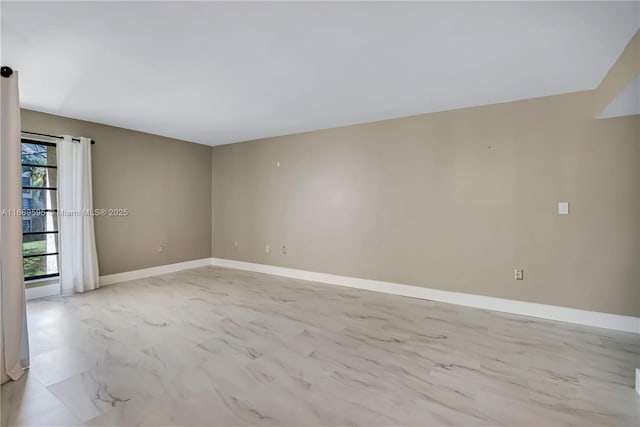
(14, 351)
(78, 258)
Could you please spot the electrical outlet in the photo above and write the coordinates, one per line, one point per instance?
(235, 244)
(284, 249)
(160, 249)
(267, 249)
(519, 274)
(563, 208)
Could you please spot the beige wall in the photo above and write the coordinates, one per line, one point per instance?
(165, 184)
(454, 200)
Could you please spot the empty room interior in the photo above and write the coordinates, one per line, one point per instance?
(320, 213)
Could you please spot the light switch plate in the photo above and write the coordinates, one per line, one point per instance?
(563, 208)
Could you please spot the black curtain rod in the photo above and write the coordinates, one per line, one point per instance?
(53, 136)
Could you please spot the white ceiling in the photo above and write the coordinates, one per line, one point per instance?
(216, 73)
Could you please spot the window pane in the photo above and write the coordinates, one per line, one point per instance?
(38, 154)
(36, 244)
(36, 200)
(40, 199)
(41, 265)
(33, 176)
(47, 222)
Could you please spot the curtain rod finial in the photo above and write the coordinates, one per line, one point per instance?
(6, 71)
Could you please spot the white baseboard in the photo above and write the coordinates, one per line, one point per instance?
(110, 279)
(542, 311)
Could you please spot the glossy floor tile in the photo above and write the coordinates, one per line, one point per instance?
(213, 346)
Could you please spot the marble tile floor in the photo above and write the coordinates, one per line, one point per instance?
(214, 346)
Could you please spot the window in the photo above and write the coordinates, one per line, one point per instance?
(39, 196)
